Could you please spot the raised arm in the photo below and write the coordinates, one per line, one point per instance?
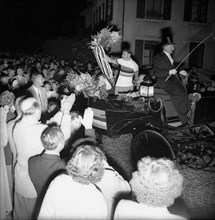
(3, 126)
(111, 60)
(63, 117)
(87, 122)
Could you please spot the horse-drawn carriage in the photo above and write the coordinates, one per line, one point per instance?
(150, 119)
(152, 124)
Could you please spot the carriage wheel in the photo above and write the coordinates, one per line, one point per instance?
(150, 143)
(201, 153)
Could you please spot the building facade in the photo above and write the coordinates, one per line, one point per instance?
(141, 23)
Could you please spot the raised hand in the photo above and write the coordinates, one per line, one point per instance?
(3, 112)
(87, 120)
(67, 103)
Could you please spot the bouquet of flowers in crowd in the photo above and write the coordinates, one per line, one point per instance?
(81, 83)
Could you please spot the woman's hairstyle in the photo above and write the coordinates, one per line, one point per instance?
(156, 183)
(52, 137)
(86, 164)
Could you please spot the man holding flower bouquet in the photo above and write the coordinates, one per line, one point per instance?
(128, 73)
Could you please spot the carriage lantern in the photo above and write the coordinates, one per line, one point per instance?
(147, 88)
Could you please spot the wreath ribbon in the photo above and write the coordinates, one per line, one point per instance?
(103, 63)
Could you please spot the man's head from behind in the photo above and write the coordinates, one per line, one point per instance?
(30, 107)
(53, 139)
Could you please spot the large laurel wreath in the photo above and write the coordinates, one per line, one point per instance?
(104, 40)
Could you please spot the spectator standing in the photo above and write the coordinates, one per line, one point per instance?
(74, 195)
(59, 75)
(28, 145)
(112, 184)
(5, 197)
(44, 167)
(37, 91)
(155, 185)
(20, 77)
(10, 127)
(7, 99)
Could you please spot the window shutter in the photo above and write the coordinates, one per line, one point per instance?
(187, 10)
(141, 8)
(167, 9)
(139, 51)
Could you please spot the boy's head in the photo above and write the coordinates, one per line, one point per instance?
(52, 138)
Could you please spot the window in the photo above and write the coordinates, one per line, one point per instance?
(139, 51)
(196, 10)
(97, 16)
(103, 11)
(145, 51)
(109, 10)
(94, 18)
(154, 9)
(150, 50)
(100, 13)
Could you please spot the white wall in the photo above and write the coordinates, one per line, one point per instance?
(183, 32)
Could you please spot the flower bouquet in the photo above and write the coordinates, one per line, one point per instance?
(82, 83)
(106, 38)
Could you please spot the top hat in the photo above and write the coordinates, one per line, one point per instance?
(167, 41)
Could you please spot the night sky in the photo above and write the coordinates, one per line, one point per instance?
(22, 21)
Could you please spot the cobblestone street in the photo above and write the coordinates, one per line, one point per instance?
(199, 190)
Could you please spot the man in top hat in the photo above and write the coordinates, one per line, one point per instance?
(168, 80)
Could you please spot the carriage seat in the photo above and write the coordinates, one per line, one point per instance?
(171, 115)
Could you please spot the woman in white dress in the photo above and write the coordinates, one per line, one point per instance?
(74, 195)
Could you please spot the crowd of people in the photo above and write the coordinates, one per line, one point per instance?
(47, 174)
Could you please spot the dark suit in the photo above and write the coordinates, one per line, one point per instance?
(172, 86)
(42, 170)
